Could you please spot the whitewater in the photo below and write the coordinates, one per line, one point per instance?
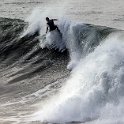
(94, 90)
(48, 78)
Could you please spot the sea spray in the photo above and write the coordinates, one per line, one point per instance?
(54, 39)
(37, 19)
(35, 22)
(69, 39)
(78, 38)
(94, 85)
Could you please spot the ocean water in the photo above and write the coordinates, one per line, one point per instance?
(103, 12)
(76, 77)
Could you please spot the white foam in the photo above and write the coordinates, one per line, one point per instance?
(94, 90)
(68, 39)
(95, 87)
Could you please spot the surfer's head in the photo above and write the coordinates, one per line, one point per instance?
(47, 19)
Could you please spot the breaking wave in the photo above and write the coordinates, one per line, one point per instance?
(34, 72)
(95, 85)
(78, 38)
(94, 91)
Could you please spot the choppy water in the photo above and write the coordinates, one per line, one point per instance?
(76, 78)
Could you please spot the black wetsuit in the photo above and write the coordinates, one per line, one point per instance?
(51, 25)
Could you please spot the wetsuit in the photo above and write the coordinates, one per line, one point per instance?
(51, 25)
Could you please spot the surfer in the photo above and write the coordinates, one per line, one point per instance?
(51, 26)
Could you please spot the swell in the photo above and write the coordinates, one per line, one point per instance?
(22, 61)
(22, 58)
(14, 49)
(31, 73)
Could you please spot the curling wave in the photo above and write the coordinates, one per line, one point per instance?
(94, 91)
(33, 72)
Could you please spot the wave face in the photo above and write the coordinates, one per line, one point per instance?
(78, 38)
(36, 84)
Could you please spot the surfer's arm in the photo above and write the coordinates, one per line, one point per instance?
(55, 19)
(47, 29)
